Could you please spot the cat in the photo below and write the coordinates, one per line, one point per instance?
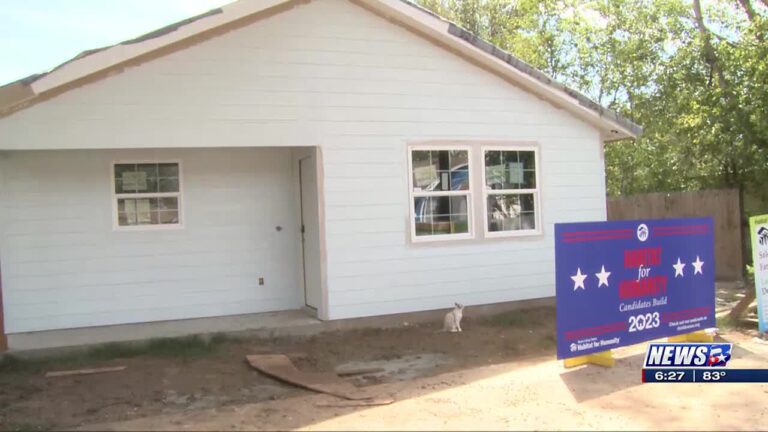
(452, 321)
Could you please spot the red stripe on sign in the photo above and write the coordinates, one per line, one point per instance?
(586, 239)
(680, 227)
(594, 331)
(589, 233)
(685, 233)
(680, 231)
(686, 311)
(684, 314)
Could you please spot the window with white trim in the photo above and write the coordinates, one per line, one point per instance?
(147, 194)
(510, 191)
(440, 193)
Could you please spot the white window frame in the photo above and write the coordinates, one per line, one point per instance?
(536, 192)
(153, 227)
(469, 193)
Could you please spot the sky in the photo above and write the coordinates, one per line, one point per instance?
(37, 35)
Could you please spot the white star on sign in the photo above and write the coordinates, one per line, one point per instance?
(678, 268)
(697, 265)
(602, 277)
(578, 280)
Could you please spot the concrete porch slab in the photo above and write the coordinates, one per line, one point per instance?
(269, 324)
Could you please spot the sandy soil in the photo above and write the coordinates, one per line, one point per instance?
(526, 394)
(500, 373)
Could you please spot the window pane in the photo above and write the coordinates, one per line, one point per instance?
(440, 170)
(460, 177)
(511, 212)
(170, 203)
(132, 178)
(122, 170)
(494, 170)
(528, 159)
(144, 211)
(169, 185)
(528, 220)
(441, 215)
(424, 173)
(126, 209)
(529, 180)
(168, 170)
(119, 187)
(526, 203)
(150, 170)
(510, 169)
(147, 175)
(125, 219)
(168, 217)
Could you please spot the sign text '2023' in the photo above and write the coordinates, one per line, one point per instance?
(644, 321)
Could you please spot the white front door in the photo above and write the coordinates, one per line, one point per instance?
(310, 231)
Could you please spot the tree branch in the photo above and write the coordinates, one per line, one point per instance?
(748, 9)
(709, 51)
(752, 14)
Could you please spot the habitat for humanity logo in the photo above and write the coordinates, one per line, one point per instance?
(642, 232)
(687, 355)
(762, 236)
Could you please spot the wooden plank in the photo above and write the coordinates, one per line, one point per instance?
(358, 371)
(355, 403)
(84, 371)
(280, 367)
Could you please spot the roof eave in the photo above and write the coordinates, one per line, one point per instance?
(12, 95)
(618, 127)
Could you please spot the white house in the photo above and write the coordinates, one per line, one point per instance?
(349, 158)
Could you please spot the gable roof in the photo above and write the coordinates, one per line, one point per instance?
(101, 62)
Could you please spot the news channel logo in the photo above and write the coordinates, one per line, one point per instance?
(687, 355)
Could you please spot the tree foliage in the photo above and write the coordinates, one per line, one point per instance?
(694, 73)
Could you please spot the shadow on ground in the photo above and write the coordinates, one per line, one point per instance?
(591, 381)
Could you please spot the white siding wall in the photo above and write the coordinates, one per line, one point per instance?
(64, 266)
(334, 75)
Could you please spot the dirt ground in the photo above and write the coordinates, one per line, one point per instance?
(500, 373)
(153, 385)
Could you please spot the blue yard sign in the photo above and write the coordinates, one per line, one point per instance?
(624, 282)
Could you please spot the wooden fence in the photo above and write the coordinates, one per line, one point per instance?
(721, 204)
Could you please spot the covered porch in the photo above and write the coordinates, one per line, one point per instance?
(138, 242)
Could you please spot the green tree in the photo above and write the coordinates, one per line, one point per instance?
(693, 73)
